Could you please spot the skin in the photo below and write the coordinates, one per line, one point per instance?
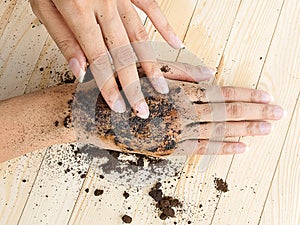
(85, 30)
(29, 121)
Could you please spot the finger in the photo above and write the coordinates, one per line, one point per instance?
(89, 36)
(62, 35)
(238, 111)
(198, 93)
(206, 147)
(185, 72)
(157, 17)
(215, 131)
(139, 39)
(123, 57)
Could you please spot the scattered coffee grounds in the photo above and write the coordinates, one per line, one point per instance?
(98, 192)
(164, 203)
(165, 68)
(126, 219)
(158, 135)
(126, 195)
(221, 185)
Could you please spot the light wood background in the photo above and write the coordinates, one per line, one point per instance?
(253, 43)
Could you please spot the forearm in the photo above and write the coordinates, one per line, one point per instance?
(33, 121)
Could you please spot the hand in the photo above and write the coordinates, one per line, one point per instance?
(84, 29)
(191, 119)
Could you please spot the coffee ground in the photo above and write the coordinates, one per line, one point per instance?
(126, 219)
(98, 192)
(221, 185)
(165, 204)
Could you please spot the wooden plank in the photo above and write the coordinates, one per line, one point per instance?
(282, 205)
(251, 173)
(253, 14)
(20, 35)
(56, 187)
(24, 35)
(6, 9)
(51, 68)
(179, 23)
(16, 179)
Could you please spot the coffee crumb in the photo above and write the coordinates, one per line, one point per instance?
(59, 163)
(221, 185)
(56, 123)
(83, 176)
(98, 192)
(24, 181)
(165, 68)
(87, 190)
(126, 195)
(126, 219)
(67, 122)
(164, 203)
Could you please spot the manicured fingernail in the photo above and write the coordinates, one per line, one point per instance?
(265, 97)
(176, 42)
(119, 106)
(239, 148)
(76, 69)
(162, 85)
(142, 110)
(278, 112)
(265, 128)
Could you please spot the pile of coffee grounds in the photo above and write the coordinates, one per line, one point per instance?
(158, 134)
(165, 204)
(221, 185)
(126, 219)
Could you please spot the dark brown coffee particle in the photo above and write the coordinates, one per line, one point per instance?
(98, 192)
(126, 219)
(126, 195)
(221, 185)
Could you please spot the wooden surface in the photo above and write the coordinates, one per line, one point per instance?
(251, 43)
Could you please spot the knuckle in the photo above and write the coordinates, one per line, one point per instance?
(250, 127)
(229, 92)
(152, 5)
(141, 34)
(255, 95)
(64, 45)
(235, 110)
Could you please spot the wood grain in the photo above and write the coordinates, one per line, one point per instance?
(27, 41)
(250, 174)
(282, 205)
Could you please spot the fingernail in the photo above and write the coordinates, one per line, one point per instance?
(162, 85)
(266, 97)
(239, 148)
(176, 42)
(278, 112)
(142, 110)
(119, 106)
(265, 128)
(77, 70)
